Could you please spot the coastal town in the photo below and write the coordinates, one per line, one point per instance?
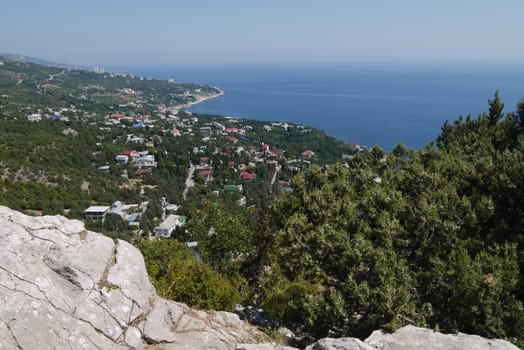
(261, 175)
(219, 146)
(146, 136)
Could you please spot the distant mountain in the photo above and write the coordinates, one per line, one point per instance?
(36, 60)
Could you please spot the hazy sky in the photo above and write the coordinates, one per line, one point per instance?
(120, 32)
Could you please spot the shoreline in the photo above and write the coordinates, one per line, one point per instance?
(201, 99)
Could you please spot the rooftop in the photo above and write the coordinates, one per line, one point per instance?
(96, 209)
(169, 222)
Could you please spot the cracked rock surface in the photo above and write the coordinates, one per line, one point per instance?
(405, 338)
(62, 287)
(411, 338)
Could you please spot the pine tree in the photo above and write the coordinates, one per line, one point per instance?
(495, 109)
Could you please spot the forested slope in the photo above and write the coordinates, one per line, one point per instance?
(431, 237)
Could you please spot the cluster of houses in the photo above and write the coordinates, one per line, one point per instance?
(145, 163)
(36, 117)
(238, 155)
(205, 169)
(233, 135)
(139, 121)
(142, 160)
(137, 159)
(131, 213)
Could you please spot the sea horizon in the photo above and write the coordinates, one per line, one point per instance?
(369, 104)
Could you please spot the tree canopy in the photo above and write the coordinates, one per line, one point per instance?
(431, 237)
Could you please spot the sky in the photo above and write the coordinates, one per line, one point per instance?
(163, 32)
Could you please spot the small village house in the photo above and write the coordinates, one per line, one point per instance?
(166, 228)
(35, 117)
(96, 213)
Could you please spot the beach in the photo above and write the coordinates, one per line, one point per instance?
(202, 98)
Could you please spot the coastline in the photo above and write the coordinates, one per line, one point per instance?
(200, 99)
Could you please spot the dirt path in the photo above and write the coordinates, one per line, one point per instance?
(189, 181)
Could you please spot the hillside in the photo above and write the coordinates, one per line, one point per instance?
(33, 87)
(432, 237)
(35, 60)
(330, 239)
(61, 127)
(429, 238)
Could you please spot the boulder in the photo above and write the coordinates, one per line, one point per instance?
(340, 344)
(265, 346)
(63, 287)
(411, 338)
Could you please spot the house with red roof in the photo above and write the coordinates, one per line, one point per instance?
(141, 118)
(206, 172)
(278, 153)
(307, 154)
(232, 139)
(204, 161)
(246, 175)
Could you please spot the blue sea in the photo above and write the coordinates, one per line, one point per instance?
(369, 104)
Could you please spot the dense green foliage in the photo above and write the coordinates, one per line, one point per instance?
(45, 171)
(178, 275)
(432, 237)
(225, 237)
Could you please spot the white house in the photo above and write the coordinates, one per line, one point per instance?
(134, 139)
(168, 225)
(147, 161)
(35, 117)
(96, 213)
(121, 159)
(205, 131)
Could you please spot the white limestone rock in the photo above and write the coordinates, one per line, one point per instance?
(411, 338)
(62, 287)
(266, 346)
(133, 338)
(340, 344)
(129, 276)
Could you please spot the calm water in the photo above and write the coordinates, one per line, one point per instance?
(366, 104)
